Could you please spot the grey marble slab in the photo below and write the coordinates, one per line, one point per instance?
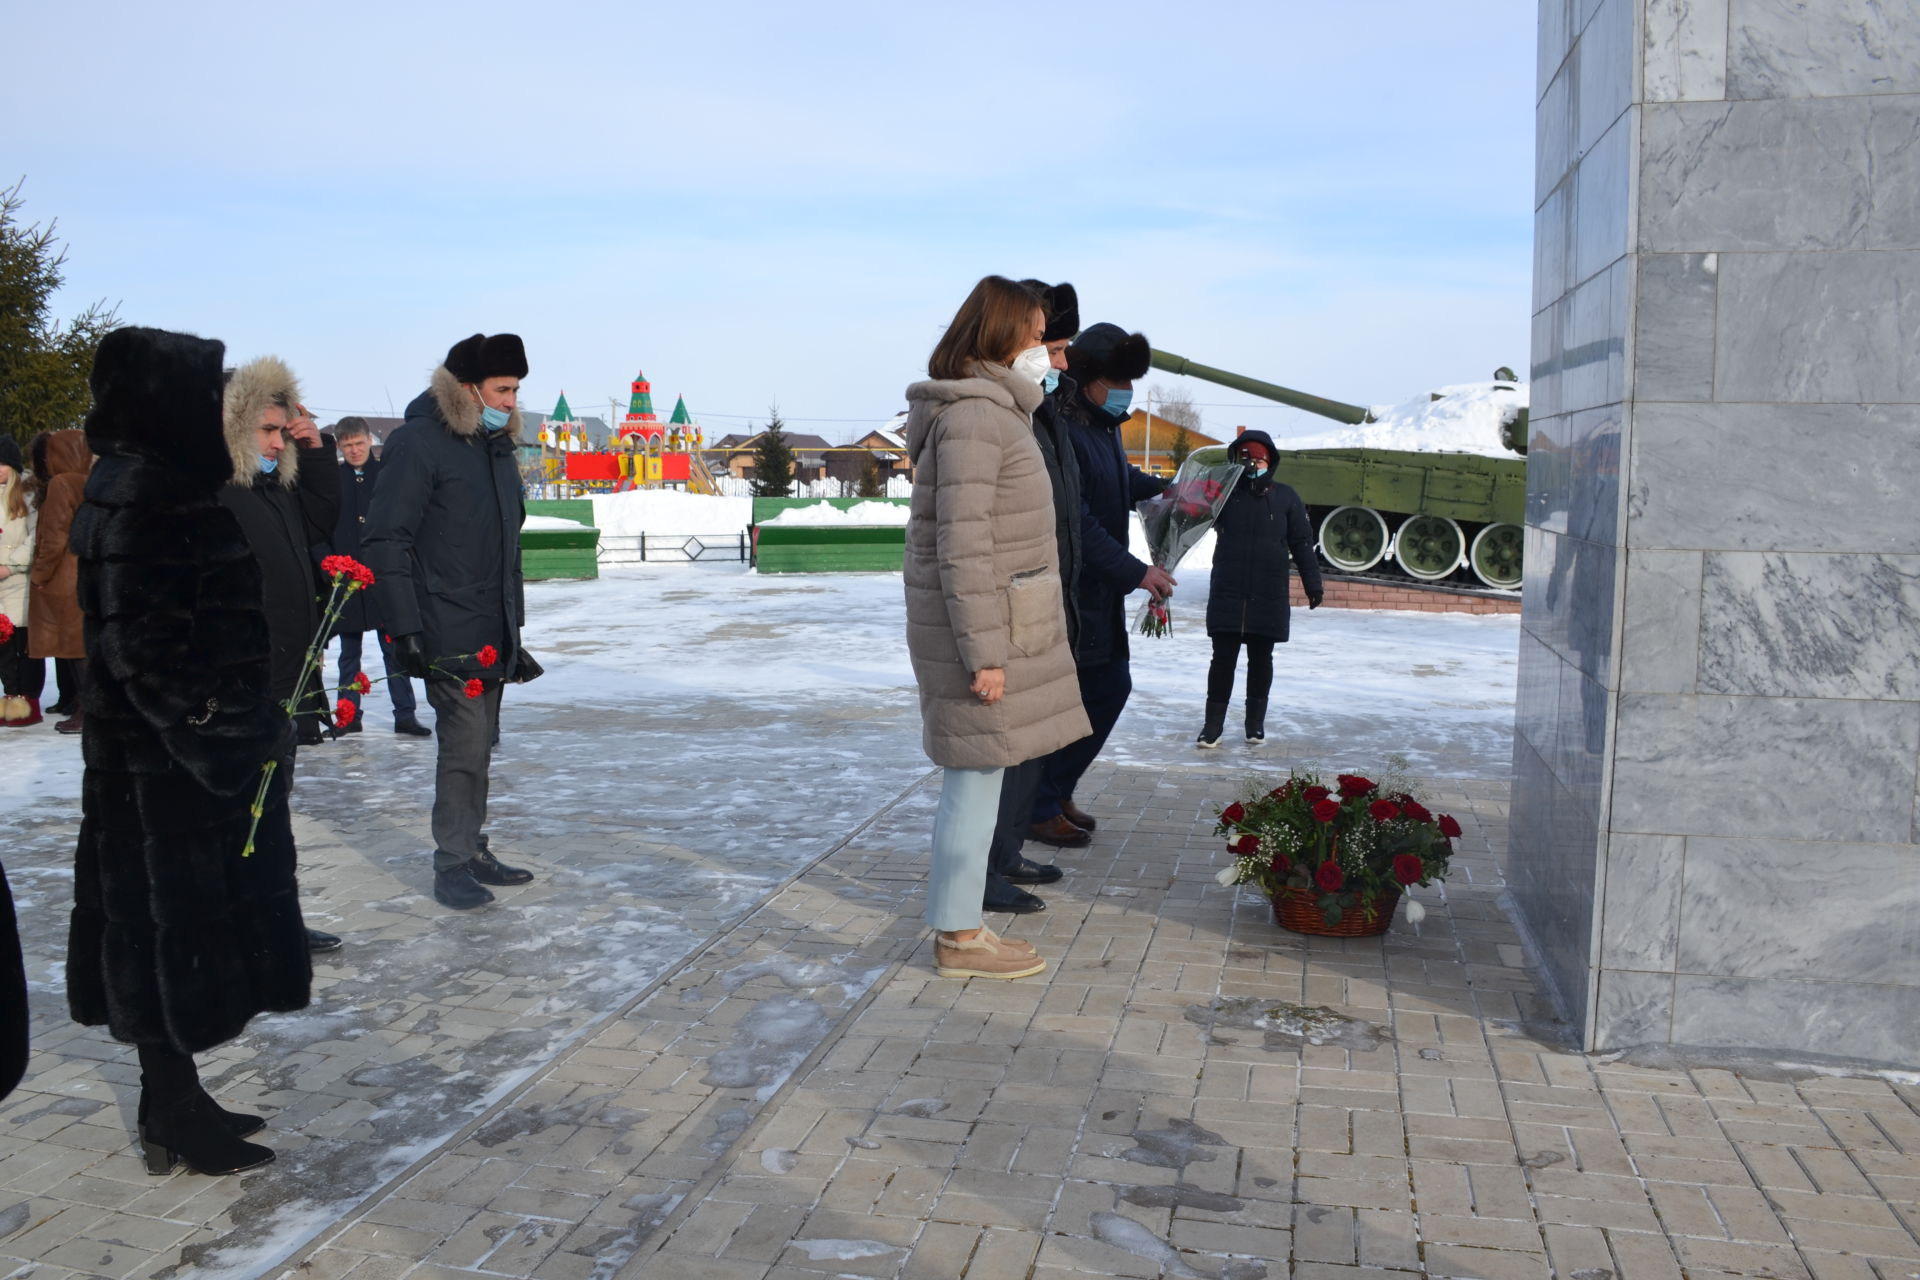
(1553, 134)
(1593, 343)
(1791, 768)
(1552, 245)
(1893, 148)
(1594, 442)
(1684, 48)
(1550, 872)
(1536, 690)
(1632, 1009)
(1608, 68)
(1660, 632)
(1603, 205)
(1755, 175)
(1674, 326)
(1640, 906)
(1799, 909)
(1822, 48)
(1843, 1019)
(1821, 327)
(1810, 624)
(1543, 367)
(1767, 476)
(1582, 736)
(1555, 31)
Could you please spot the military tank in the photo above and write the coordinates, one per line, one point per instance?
(1426, 515)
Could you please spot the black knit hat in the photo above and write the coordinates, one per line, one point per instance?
(1110, 352)
(1063, 308)
(10, 454)
(481, 357)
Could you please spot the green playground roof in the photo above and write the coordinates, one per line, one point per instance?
(680, 414)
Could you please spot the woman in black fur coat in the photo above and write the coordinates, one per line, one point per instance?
(176, 940)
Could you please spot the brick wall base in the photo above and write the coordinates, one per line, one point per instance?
(1368, 593)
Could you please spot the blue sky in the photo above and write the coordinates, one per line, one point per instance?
(760, 202)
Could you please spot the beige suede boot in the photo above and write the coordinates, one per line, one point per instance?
(982, 957)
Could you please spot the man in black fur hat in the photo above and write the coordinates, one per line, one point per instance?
(443, 540)
(1102, 363)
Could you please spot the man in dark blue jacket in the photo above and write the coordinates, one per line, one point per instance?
(359, 470)
(1103, 364)
(443, 541)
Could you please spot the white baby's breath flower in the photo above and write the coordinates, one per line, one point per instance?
(1228, 875)
(1415, 912)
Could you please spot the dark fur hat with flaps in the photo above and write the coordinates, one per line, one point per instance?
(156, 395)
(252, 389)
(1110, 352)
(1063, 308)
(481, 357)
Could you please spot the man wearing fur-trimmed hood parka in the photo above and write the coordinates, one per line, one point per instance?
(443, 541)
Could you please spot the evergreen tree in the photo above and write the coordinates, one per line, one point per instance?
(1182, 446)
(43, 364)
(871, 484)
(773, 460)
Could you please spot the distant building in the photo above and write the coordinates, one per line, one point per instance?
(1148, 442)
(809, 455)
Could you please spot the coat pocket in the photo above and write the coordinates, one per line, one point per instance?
(1036, 619)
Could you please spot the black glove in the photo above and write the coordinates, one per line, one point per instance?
(1313, 599)
(411, 658)
(525, 668)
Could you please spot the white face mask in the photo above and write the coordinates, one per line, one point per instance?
(1033, 364)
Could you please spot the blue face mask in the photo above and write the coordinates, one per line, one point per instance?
(269, 465)
(1052, 380)
(494, 419)
(1119, 401)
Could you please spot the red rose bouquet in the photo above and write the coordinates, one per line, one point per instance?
(1354, 846)
(1178, 517)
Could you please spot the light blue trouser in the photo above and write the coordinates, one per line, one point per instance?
(962, 835)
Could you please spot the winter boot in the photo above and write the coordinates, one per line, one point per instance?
(32, 715)
(1257, 721)
(75, 723)
(189, 1128)
(984, 956)
(12, 710)
(1215, 725)
(239, 1123)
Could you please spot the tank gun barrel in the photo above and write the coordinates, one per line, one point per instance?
(1167, 362)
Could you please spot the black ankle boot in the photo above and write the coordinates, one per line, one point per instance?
(1256, 721)
(239, 1123)
(189, 1129)
(1215, 725)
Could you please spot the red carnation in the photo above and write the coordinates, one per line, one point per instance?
(1407, 868)
(1383, 810)
(1326, 810)
(1281, 792)
(338, 567)
(487, 656)
(386, 638)
(6, 628)
(1329, 876)
(360, 683)
(344, 713)
(1243, 845)
(1352, 784)
(475, 688)
(1415, 810)
(1233, 812)
(1314, 795)
(1448, 827)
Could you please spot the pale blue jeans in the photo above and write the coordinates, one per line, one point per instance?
(962, 838)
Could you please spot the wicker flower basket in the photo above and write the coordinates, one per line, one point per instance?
(1296, 910)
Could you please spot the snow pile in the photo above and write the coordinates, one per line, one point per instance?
(825, 513)
(669, 511)
(551, 522)
(1466, 419)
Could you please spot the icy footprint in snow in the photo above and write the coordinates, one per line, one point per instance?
(843, 1250)
(779, 1160)
(1123, 1232)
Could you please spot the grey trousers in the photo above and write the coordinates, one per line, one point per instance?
(962, 832)
(464, 728)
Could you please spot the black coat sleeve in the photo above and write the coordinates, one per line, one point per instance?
(1300, 544)
(393, 520)
(1101, 554)
(319, 490)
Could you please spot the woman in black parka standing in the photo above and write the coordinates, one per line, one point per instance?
(176, 940)
(1263, 525)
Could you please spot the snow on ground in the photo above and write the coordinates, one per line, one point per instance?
(860, 513)
(550, 522)
(1466, 419)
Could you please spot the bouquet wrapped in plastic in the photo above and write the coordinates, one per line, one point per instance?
(1178, 517)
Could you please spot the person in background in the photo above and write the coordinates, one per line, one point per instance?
(1263, 524)
(1008, 869)
(986, 622)
(176, 941)
(282, 479)
(359, 472)
(1103, 363)
(443, 541)
(21, 678)
(61, 460)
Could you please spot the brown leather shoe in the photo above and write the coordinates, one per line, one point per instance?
(1078, 817)
(1060, 832)
(984, 956)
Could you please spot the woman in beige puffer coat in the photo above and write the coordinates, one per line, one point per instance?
(21, 677)
(986, 626)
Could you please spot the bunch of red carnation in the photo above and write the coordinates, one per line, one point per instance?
(6, 628)
(1351, 846)
(356, 575)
